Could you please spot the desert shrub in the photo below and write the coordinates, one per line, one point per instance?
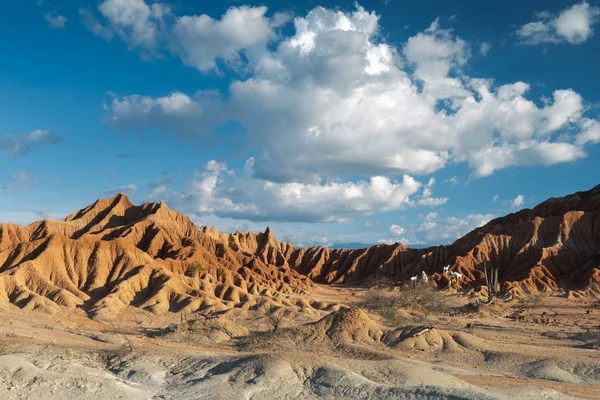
(399, 306)
(379, 282)
(531, 301)
(194, 269)
(274, 315)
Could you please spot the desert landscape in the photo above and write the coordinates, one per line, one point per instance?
(137, 302)
(277, 199)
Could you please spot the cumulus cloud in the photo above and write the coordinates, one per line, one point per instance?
(573, 25)
(434, 230)
(335, 100)
(217, 190)
(18, 145)
(396, 230)
(518, 201)
(55, 20)
(198, 40)
(177, 112)
(427, 198)
(134, 21)
(590, 132)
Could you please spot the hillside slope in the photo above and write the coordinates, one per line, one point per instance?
(556, 244)
(113, 254)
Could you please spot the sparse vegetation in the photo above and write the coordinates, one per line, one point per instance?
(531, 301)
(397, 306)
(194, 269)
(42, 215)
(491, 280)
(379, 281)
(116, 358)
(274, 315)
(69, 353)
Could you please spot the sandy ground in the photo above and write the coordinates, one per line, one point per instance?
(535, 350)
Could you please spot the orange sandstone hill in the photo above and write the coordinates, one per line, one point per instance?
(113, 254)
(554, 245)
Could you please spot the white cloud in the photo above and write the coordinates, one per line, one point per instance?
(435, 53)
(434, 230)
(495, 198)
(137, 23)
(89, 20)
(217, 190)
(453, 181)
(518, 201)
(590, 132)
(389, 242)
(484, 48)
(198, 40)
(55, 20)
(188, 116)
(18, 145)
(572, 25)
(427, 198)
(334, 101)
(201, 40)
(396, 230)
(338, 220)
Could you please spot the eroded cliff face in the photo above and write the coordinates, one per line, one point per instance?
(112, 255)
(556, 244)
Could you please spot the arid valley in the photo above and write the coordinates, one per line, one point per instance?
(299, 200)
(136, 302)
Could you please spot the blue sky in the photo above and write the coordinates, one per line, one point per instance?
(332, 122)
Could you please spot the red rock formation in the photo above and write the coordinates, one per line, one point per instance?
(112, 254)
(556, 244)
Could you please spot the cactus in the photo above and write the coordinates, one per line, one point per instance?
(491, 280)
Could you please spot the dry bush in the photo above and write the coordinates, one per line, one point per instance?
(379, 282)
(116, 359)
(42, 215)
(401, 306)
(274, 316)
(531, 301)
(194, 269)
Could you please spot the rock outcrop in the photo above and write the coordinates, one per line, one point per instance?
(112, 255)
(554, 245)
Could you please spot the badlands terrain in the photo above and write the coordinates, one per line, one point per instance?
(137, 302)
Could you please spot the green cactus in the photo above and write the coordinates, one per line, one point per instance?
(491, 280)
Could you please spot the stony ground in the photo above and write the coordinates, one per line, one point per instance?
(539, 348)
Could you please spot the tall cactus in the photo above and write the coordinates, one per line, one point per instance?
(491, 280)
